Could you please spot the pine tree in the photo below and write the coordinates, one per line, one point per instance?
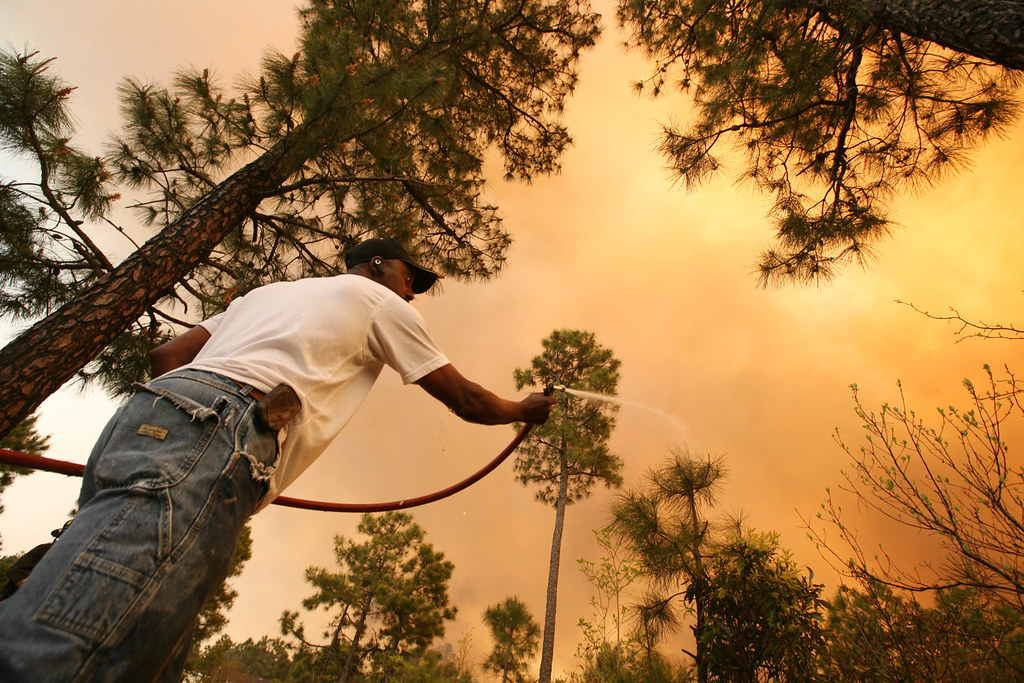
(834, 106)
(667, 528)
(755, 617)
(388, 602)
(568, 455)
(516, 636)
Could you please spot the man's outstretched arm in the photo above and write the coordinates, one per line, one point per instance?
(473, 403)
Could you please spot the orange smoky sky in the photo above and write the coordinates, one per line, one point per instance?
(663, 276)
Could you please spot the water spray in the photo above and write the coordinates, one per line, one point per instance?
(551, 387)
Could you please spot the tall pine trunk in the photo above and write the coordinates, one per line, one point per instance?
(42, 358)
(698, 582)
(548, 645)
(989, 29)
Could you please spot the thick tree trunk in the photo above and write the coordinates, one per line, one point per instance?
(990, 29)
(548, 645)
(41, 359)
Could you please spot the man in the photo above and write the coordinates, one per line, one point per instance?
(239, 406)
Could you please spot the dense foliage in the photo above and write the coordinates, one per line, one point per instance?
(387, 602)
(755, 617)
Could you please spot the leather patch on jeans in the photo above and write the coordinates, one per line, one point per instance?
(153, 431)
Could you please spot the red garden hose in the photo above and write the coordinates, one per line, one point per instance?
(74, 469)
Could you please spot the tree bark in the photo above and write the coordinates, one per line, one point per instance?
(548, 644)
(42, 358)
(989, 29)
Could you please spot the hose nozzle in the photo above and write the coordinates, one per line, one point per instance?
(550, 388)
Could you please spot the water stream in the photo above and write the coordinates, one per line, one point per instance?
(591, 396)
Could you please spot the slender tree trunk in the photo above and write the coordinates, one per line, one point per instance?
(41, 359)
(548, 645)
(697, 530)
(990, 29)
(356, 637)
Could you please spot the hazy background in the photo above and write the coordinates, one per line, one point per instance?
(662, 276)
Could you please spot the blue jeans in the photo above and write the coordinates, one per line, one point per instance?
(172, 480)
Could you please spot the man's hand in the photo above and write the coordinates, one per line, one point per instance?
(537, 408)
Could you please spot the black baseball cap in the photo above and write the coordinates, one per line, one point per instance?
(387, 248)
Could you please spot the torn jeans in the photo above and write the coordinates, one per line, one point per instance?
(172, 480)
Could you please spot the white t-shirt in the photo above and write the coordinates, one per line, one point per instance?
(328, 338)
